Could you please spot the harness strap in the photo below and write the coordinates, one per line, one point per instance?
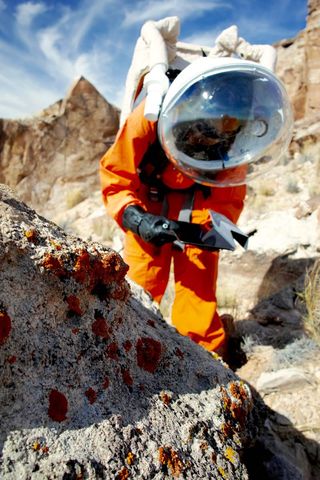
(187, 207)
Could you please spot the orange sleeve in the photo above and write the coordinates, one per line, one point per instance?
(118, 167)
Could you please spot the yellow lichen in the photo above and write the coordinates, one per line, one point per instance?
(231, 455)
(130, 458)
(222, 472)
(36, 446)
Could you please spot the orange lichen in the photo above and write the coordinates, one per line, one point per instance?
(204, 446)
(58, 406)
(82, 268)
(169, 458)
(54, 264)
(5, 327)
(238, 390)
(74, 305)
(91, 395)
(100, 328)
(148, 354)
(107, 268)
(237, 401)
(45, 449)
(123, 474)
(130, 458)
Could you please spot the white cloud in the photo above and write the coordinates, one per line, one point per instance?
(84, 19)
(49, 39)
(27, 12)
(2, 5)
(154, 10)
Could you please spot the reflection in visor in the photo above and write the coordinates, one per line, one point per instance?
(206, 139)
(216, 128)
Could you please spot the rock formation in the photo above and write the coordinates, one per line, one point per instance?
(52, 159)
(299, 65)
(93, 383)
(299, 68)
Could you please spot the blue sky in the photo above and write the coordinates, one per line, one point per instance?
(46, 44)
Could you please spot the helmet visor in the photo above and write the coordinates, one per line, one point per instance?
(223, 121)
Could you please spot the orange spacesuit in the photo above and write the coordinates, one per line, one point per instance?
(194, 311)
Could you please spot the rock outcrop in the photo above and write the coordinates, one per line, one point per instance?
(299, 68)
(52, 159)
(94, 384)
(299, 65)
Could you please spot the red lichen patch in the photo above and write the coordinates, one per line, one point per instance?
(151, 323)
(75, 331)
(106, 383)
(169, 458)
(81, 269)
(91, 395)
(119, 291)
(127, 345)
(74, 305)
(179, 353)
(165, 397)
(148, 354)
(55, 265)
(98, 272)
(112, 351)
(12, 359)
(58, 406)
(127, 379)
(107, 269)
(100, 328)
(31, 235)
(5, 327)
(45, 449)
(123, 474)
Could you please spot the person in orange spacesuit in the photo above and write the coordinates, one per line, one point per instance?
(159, 172)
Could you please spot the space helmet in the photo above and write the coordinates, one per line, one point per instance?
(224, 121)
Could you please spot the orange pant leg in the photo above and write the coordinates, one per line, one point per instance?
(149, 266)
(194, 311)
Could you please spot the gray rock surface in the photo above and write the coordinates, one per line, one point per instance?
(94, 384)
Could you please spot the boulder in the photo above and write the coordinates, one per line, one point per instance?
(94, 383)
